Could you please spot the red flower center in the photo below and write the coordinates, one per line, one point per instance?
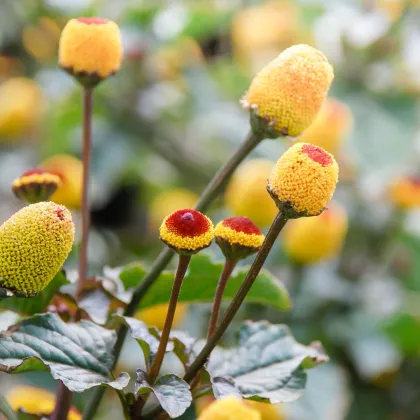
(60, 213)
(187, 222)
(93, 20)
(317, 154)
(34, 171)
(415, 181)
(242, 224)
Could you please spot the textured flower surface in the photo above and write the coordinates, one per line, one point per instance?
(187, 231)
(287, 94)
(238, 237)
(229, 408)
(405, 192)
(35, 401)
(70, 171)
(36, 185)
(246, 194)
(313, 239)
(155, 316)
(91, 47)
(330, 127)
(34, 244)
(303, 180)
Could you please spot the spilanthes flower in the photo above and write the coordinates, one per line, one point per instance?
(34, 244)
(303, 180)
(246, 194)
(405, 192)
(267, 411)
(70, 171)
(229, 408)
(90, 49)
(155, 315)
(238, 237)
(313, 239)
(187, 231)
(35, 185)
(35, 401)
(330, 127)
(286, 95)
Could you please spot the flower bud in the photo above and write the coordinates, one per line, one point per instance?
(405, 192)
(330, 127)
(187, 231)
(313, 239)
(35, 185)
(303, 181)
(229, 408)
(90, 49)
(34, 244)
(155, 316)
(246, 194)
(238, 237)
(286, 95)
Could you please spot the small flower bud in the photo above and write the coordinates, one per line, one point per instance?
(187, 231)
(238, 237)
(36, 185)
(405, 192)
(229, 408)
(313, 239)
(287, 94)
(303, 180)
(90, 49)
(34, 244)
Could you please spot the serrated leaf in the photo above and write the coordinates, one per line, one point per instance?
(78, 354)
(39, 303)
(200, 283)
(223, 386)
(172, 392)
(267, 364)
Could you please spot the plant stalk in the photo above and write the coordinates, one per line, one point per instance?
(86, 159)
(62, 402)
(237, 301)
(6, 410)
(211, 192)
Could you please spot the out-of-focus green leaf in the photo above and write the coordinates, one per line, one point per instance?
(78, 354)
(131, 275)
(267, 364)
(404, 330)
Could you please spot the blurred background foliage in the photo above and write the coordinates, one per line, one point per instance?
(170, 117)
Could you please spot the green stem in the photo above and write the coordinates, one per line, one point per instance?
(6, 410)
(212, 191)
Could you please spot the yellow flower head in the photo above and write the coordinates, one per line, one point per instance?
(313, 239)
(303, 180)
(35, 401)
(287, 94)
(246, 194)
(267, 411)
(34, 243)
(405, 192)
(330, 127)
(238, 237)
(35, 185)
(155, 316)
(168, 202)
(187, 231)
(90, 49)
(229, 408)
(21, 107)
(70, 171)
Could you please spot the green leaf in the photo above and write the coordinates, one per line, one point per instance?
(200, 285)
(131, 275)
(172, 392)
(39, 303)
(80, 355)
(267, 364)
(223, 386)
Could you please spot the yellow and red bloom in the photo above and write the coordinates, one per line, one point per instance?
(238, 237)
(303, 180)
(313, 239)
(405, 192)
(36, 185)
(34, 244)
(286, 95)
(187, 231)
(229, 408)
(90, 49)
